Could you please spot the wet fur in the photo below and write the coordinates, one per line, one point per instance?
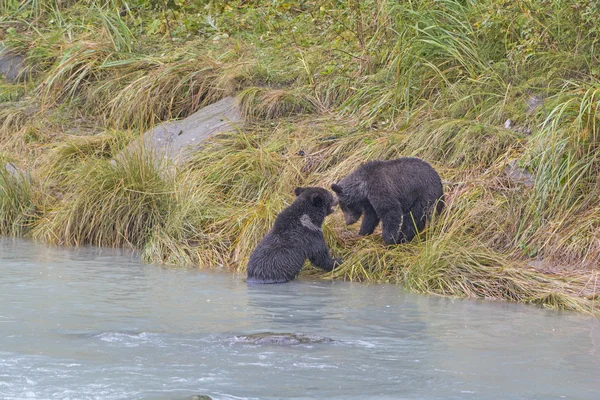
(296, 235)
(400, 193)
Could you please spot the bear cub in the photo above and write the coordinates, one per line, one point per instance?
(400, 193)
(296, 235)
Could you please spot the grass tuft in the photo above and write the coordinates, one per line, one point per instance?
(262, 103)
(112, 203)
(17, 207)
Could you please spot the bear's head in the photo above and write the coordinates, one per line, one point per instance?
(351, 209)
(318, 197)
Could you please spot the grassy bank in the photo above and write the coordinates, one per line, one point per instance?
(501, 98)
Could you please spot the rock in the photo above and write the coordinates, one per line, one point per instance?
(517, 174)
(12, 65)
(509, 124)
(15, 172)
(199, 397)
(281, 339)
(12, 170)
(177, 140)
(534, 102)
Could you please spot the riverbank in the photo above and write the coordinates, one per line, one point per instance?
(502, 101)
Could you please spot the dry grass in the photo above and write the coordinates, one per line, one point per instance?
(265, 103)
(17, 204)
(111, 204)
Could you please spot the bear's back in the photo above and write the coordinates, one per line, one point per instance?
(408, 178)
(276, 259)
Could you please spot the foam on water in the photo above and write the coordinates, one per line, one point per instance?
(129, 339)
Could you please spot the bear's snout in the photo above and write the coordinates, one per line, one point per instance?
(350, 219)
(334, 203)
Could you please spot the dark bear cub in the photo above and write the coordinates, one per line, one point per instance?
(400, 193)
(296, 235)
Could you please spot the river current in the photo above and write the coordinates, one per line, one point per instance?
(90, 323)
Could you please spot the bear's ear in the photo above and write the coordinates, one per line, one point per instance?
(298, 191)
(336, 188)
(317, 199)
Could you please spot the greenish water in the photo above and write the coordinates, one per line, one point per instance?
(93, 323)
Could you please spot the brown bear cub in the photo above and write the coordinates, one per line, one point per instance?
(296, 235)
(400, 193)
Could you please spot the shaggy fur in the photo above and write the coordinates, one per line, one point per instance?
(296, 235)
(400, 193)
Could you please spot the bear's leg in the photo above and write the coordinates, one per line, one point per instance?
(392, 222)
(369, 221)
(414, 221)
(320, 257)
(408, 227)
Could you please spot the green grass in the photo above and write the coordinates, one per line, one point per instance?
(17, 206)
(323, 86)
(262, 104)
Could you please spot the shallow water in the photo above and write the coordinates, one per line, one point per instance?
(94, 323)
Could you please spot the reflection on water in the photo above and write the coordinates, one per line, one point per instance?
(94, 323)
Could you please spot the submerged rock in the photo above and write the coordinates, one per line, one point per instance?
(281, 339)
(177, 140)
(199, 397)
(12, 65)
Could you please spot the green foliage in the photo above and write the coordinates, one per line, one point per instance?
(10, 93)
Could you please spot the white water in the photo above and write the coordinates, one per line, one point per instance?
(94, 323)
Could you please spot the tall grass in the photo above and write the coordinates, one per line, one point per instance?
(264, 103)
(12, 119)
(66, 158)
(565, 157)
(134, 91)
(113, 203)
(17, 207)
(188, 235)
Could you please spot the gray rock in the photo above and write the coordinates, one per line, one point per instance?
(281, 339)
(15, 172)
(176, 140)
(199, 397)
(12, 65)
(517, 174)
(533, 103)
(509, 124)
(12, 170)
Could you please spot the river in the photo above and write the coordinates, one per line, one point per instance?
(90, 323)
